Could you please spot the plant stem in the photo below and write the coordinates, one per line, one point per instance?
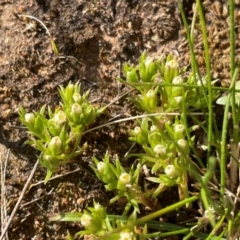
(224, 138)
(209, 80)
(145, 219)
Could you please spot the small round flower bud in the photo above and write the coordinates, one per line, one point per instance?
(126, 236)
(55, 145)
(76, 108)
(175, 102)
(183, 145)
(139, 136)
(48, 157)
(148, 61)
(177, 90)
(153, 128)
(178, 99)
(77, 97)
(30, 118)
(137, 131)
(160, 149)
(101, 166)
(179, 131)
(60, 118)
(86, 220)
(171, 171)
(179, 128)
(125, 178)
(76, 112)
(71, 87)
(150, 100)
(150, 94)
(172, 64)
(100, 210)
(178, 80)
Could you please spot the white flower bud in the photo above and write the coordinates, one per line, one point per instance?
(153, 128)
(125, 178)
(126, 236)
(97, 206)
(76, 108)
(178, 99)
(48, 157)
(150, 94)
(172, 64)
(171, 171)
(148, 61)
(182, 143)
(179, 131)
(86, 220)
(55, 145)
(100, 210)
(60, 117)
(71, 87)
(30, 118)
(77, 97)
(137, 130)
(101, 167)
(179, 128)
(178, 80)
(160, 149)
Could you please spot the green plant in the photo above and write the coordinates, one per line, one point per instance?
(163, 90)
(124, 183)
(165, 141)
(59, 135)
(171, 102)
(163, 138)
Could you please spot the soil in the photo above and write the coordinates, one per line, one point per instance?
(93, 39)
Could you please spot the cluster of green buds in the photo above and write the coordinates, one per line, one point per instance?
(115, 177)
(140, 133)
(162, 87)
(94, 221)
(79, 111)
(97, 223)
(166, 150)
(141, 76)
(58, 136)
